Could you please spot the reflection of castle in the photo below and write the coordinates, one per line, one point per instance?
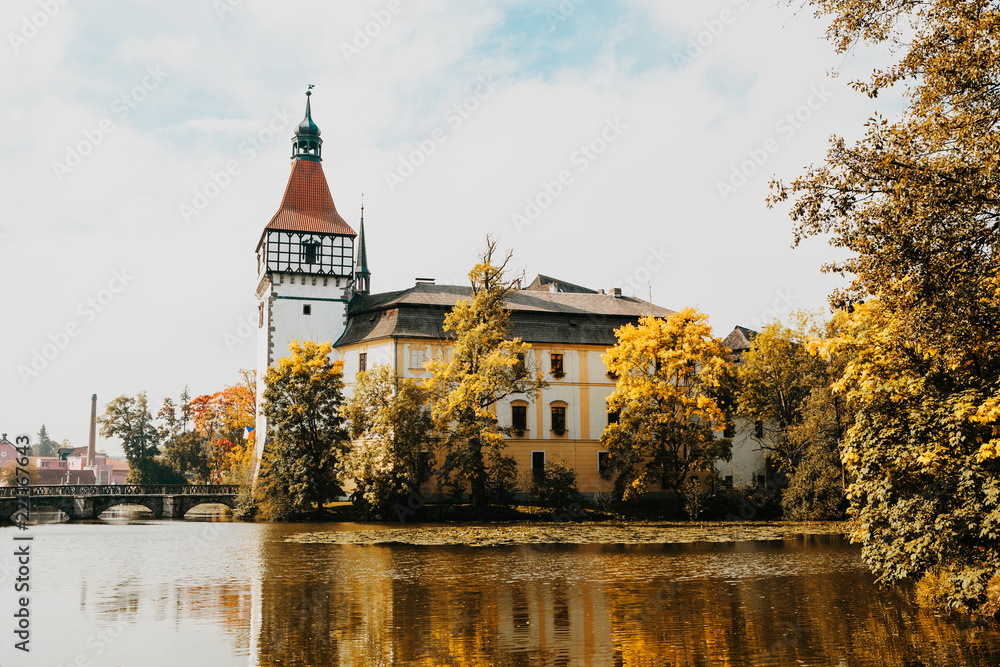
(314, 284)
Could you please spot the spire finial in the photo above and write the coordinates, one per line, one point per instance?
(306, 144)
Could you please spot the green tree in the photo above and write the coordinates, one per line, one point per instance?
(306, 436)
(485, 366)
(128, 418)
(45, 446)
(915, 202)
(788, 389)
(187, 453)
(673, 382)
(390, 455)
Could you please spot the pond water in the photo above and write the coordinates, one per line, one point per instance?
(144, 592)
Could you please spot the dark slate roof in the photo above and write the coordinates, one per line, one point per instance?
(536, 317)
(545, 283)
(739, 339)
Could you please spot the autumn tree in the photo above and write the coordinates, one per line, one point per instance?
(915, 202)
(673, 379)
(390, 455)
(220, 421)
(11, 474)
(306, 435)
(486, 365)
(789, 390)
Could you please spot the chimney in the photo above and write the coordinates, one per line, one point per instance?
(424, 281)
(92, 445)
(616, 292)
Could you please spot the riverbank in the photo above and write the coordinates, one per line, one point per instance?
(611, 532)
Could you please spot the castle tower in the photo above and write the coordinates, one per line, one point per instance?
(305, 264)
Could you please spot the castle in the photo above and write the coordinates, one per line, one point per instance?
(314, 283)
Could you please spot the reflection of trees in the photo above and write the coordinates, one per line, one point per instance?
(728, 604)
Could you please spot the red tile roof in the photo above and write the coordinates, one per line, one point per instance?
(307, 205)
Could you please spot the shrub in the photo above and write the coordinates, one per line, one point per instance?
(501, 484)
(556, 487)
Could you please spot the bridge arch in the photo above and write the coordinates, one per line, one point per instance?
(200, 502)
(152, 503)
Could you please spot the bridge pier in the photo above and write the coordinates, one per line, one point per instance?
(82, 508)
(173, 507)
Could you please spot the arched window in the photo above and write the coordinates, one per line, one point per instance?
(558, 414)
(519, 417)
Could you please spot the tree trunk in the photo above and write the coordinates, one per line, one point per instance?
(478, 482)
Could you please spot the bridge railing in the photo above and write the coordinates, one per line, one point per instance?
(119, 490)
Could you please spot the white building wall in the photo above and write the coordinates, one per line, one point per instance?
(598, 409)
(284, 320)
(748, 459)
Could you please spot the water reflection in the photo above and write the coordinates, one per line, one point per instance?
(771, 603)
(221, 594)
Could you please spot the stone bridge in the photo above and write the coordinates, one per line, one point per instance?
(88, 501)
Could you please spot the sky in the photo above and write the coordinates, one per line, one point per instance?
(608, 143)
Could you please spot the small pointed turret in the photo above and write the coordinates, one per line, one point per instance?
(362, 276)
(307, 144)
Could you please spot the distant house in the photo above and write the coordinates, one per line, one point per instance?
(749, 463)
(55, 476)
(104, 471)
(8, 452)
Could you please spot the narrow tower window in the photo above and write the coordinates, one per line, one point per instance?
(307, 309)
(309, 253)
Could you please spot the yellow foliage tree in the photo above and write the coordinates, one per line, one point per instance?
(485, 366)
(673, 380)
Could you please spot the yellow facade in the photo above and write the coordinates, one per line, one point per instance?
(583, 391)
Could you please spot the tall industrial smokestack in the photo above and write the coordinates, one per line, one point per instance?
(92, 445)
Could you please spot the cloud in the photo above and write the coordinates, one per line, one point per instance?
(689, 115)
